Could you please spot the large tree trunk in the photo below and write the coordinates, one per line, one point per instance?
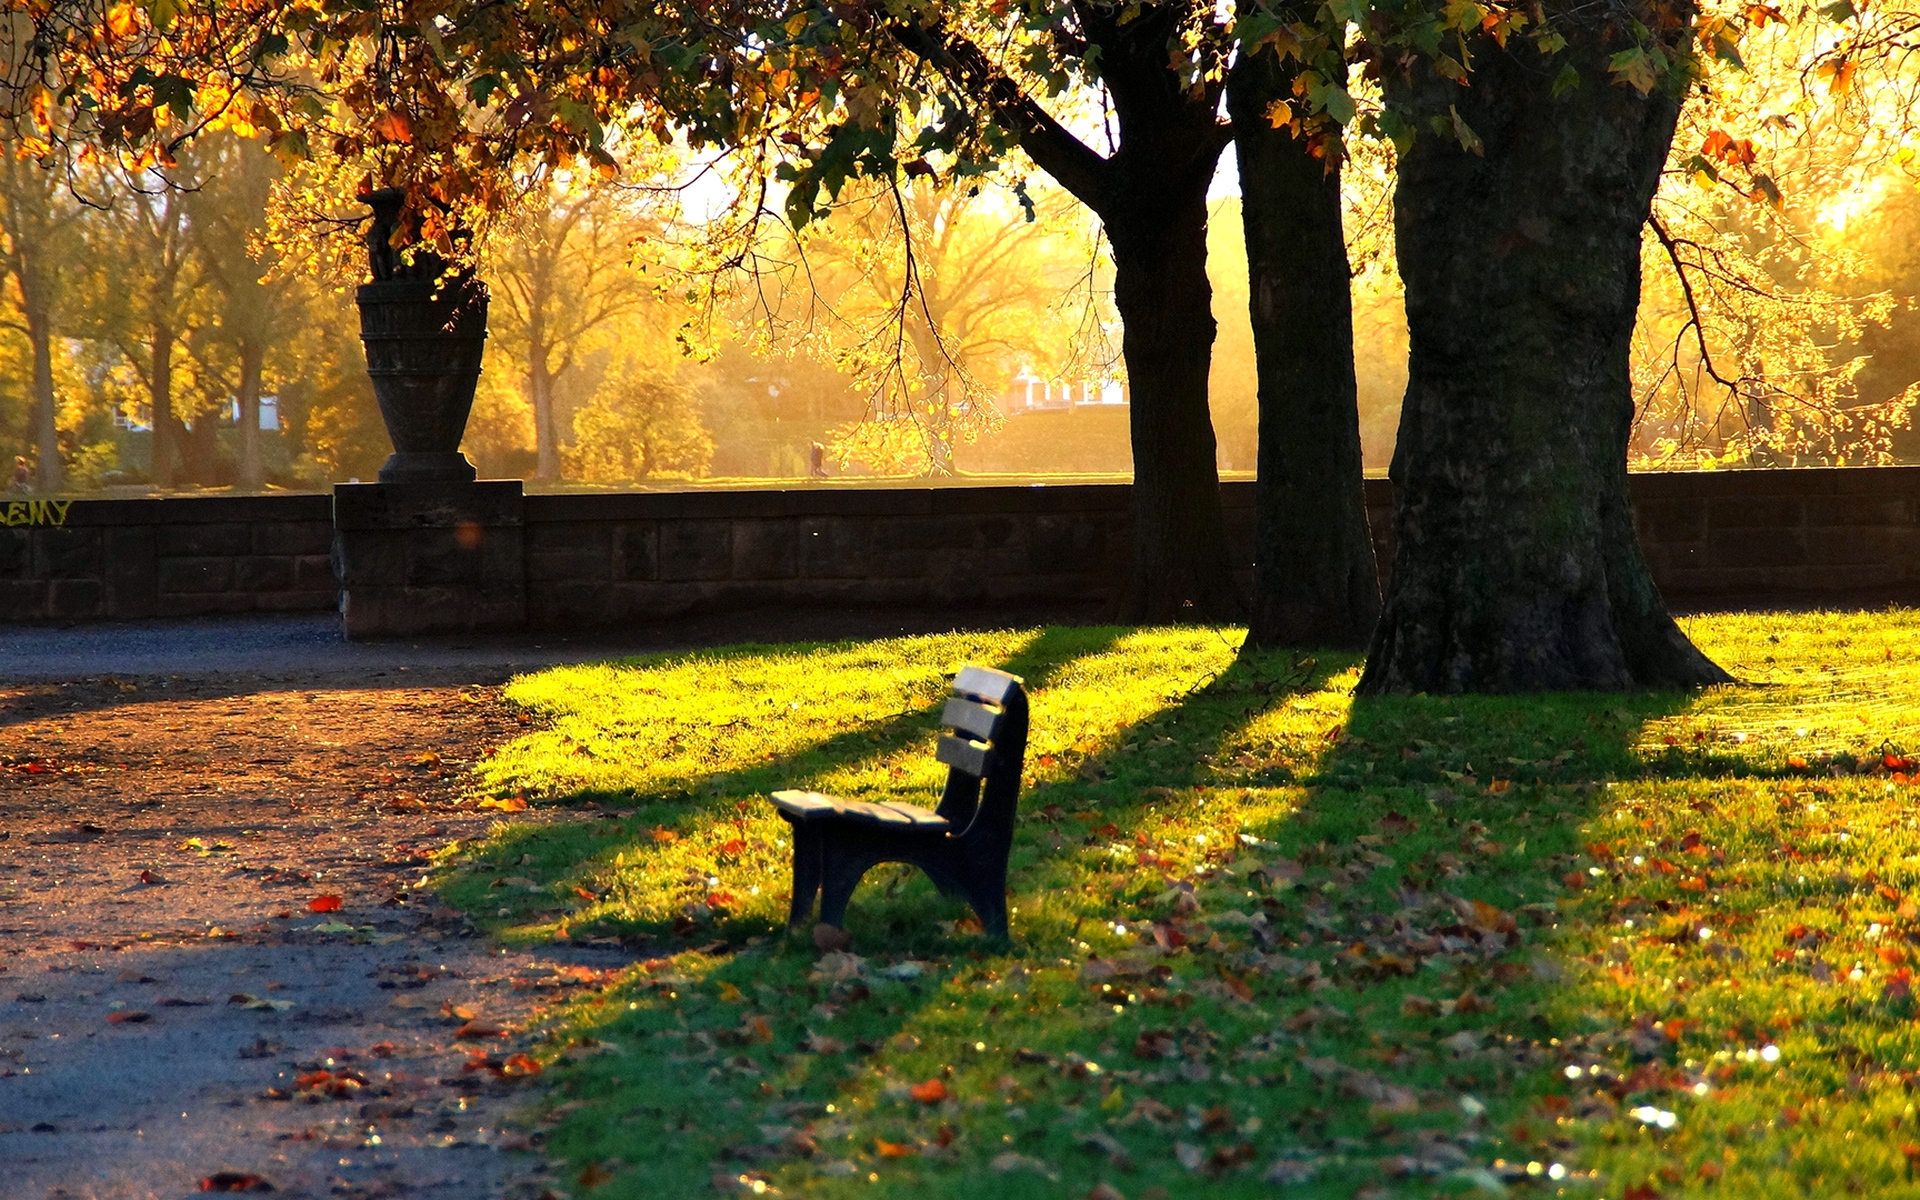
(1182, 567)
(1516, 567)
(167, 432)
(1150, 195)
(253, 473)
(50, 475)
(1315, 582)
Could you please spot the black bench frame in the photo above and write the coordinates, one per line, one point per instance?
(962, 845)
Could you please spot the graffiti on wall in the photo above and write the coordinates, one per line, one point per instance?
(34, 512)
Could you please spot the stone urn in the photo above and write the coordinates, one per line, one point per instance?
(424, 331)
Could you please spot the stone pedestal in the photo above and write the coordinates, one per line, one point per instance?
(417, 558)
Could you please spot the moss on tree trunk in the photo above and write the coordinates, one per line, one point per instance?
(1315, 582)
(1517, 568)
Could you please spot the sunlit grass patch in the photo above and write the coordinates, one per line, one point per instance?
(1264, 937)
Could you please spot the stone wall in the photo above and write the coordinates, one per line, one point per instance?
(1789, 538)
(93, 559)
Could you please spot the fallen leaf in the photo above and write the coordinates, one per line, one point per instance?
(933, 1091)
(886, 1149)
(477, 1030)
(153, 878)
(127, 1018)
(324, 904)
(248, 1000)
(509, 804)
(234, 1181)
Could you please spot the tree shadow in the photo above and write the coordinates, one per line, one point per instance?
(652, 822)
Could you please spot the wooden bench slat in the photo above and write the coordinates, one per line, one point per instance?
(962, 755)
(976, 720)
(985, 684)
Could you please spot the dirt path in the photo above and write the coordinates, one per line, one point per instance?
(171, 1009)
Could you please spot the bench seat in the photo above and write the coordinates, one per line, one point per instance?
(812, 806)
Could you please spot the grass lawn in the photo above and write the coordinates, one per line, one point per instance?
(1266, 938)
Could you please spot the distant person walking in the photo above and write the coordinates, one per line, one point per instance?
(817, 460)
(22, 475)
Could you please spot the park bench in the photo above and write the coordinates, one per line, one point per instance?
(962, 845)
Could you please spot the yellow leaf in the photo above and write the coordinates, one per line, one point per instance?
(1279, 114)
(120, 20)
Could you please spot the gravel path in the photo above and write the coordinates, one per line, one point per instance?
(175, 796)
(171, 1008)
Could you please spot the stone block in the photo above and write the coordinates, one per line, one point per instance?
(292, 537)
(411, 611)
(1860, 510)
(1066, 544)
(550, 565)
(595, 536)
(636, 551)
(132, 573)
(562, 605)
(261, 574)
(23, 599)
(184, 576)
(765, 549)
(695, 550)
(67, 553)
(834, 547)
(315, 573)
(1746, 548)
(16, 553)
(438, 558)
(375, 558)
(488, 503)
(205, 541)
(1753, 511)
(1670, 521)
(76, 599)
(958, 577)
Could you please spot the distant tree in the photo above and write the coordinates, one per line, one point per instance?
(640, 424)
(38, 241)
(560, 276)
(254, 310)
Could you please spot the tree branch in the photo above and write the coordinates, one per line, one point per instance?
(1047, 142)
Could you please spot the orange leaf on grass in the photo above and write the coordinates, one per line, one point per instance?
(886, 1149)
(324, 904)
(933, 1091)
(509, 804)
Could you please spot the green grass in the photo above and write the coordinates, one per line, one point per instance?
(1262, 932)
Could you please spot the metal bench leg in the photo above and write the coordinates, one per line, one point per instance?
(840, 876)
(808, 852)
(989, 901)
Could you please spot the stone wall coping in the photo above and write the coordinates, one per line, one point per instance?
(194, 510)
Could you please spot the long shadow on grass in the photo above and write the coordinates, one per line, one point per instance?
(1436, 782)
(688, 804)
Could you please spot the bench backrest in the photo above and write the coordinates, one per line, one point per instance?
(984, 741)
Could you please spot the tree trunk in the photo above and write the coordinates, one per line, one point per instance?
(1516, 567)
(167, 433)
(49, 475)
(253, 474)
(1182, 567)
(540, 384)
(1315, 582)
